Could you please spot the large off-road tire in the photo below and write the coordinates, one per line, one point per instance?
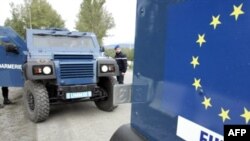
(106, 84)
(36, 101)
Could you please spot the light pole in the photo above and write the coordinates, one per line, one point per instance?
(28, 6)
(30, 17)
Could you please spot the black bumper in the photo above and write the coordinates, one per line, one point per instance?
(62, 90)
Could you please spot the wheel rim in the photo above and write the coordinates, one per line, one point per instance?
(31, 102)
(102, 93)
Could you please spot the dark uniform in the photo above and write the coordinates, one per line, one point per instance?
(5, 92)
(121, 60)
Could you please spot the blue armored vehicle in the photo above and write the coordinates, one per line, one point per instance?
(56, 65)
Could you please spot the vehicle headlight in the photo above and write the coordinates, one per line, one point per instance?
(47, 70)
(104, 68)
(107, 68)
(42, 70)
(111, 68)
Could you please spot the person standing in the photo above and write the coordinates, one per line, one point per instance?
(121, 60)
(5, 92)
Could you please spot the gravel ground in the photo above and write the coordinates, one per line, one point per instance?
(14, 125)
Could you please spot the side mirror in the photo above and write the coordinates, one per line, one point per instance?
(11, 48)
(102, 49)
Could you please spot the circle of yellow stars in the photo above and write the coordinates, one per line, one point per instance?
(207, 101)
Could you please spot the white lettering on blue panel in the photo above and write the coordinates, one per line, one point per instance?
(199, 133)
(204, 136)
(11, 66)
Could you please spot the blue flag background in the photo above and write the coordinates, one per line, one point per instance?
(224, 62)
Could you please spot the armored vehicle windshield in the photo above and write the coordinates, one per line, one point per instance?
(52, 41)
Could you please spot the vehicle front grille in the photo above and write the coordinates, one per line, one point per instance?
(68, 71)
(73, 57)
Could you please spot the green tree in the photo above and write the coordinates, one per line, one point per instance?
(33, 14)
(17, 21)
(93, 17)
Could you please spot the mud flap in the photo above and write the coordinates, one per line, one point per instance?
(122, 93)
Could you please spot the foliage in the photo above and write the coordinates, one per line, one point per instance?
(17, 21)
(33, 14)
(93, 17)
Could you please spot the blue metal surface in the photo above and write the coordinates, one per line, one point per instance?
(166, 40)
(74, 66)
(73, 57)
(77, 72)
(10, 63)
(75, 69)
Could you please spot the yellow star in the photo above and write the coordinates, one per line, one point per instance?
(215, 21)
(246, 115)
(201, 39)
(224, 114)
(207, 102)
(195, 61)
(197, 83)
(237, 11)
